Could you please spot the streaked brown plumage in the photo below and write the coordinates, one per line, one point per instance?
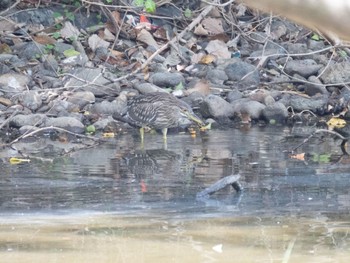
(158, 110)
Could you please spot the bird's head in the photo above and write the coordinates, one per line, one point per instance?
(188, 114)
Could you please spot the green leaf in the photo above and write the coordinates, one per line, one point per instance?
(179, 86)
(90, 129)
(56, 35)
(315, 37)
(188, 13)
(139, 2)
(342, 53)
(70, 53)
(57, 15)
(49, 46)
(150, 6)
(70, 16)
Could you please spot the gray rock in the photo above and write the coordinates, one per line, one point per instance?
(299, 103)
(30, 50)
(217, 76)
(27, 128)
(336, 73)
(62, 107)
(4, 69)
(215, 107)
(21, 120)
(102, 124)
(147, 88)
(295, 48)
(250, 107)
(98, 85)
(305, 68)
(68, 123)
(236, 72)
(312, 90)
(275, 112)
(31, 99)
(60, 47)
(50, 63)
(13, 83)
(167, 80)
(40, 16)
(80, 98)
(107, 107)
(315, 45)
(234, 95)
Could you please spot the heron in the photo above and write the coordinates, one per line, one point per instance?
(160, 111)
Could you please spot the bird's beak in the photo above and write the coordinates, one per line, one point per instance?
(194, 118)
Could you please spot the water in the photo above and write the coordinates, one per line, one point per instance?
(121, 202)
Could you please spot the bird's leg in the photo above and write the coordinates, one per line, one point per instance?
(142, 134)
(164, 131)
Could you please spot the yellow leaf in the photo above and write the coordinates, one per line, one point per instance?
(14, 160)
(207, 59)
(336, 122)
(300, 156)
(108, 135)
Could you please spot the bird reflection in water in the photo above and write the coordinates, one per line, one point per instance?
(157, 167)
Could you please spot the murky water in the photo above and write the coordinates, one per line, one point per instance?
(122, 202)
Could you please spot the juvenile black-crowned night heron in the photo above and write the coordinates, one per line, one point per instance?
(159, 111)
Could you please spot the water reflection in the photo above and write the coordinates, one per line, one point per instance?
(123, 202)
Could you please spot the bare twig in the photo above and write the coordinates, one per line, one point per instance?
(320, 131)
(9, 8)
(205, 11)
(50, 128)
(8, 119)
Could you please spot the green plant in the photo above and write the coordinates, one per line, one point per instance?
(48, 48)
(149, 5)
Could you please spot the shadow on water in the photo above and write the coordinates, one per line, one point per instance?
(126, 202)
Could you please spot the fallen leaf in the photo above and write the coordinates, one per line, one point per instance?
(299, 156)
(44, 39)
(95, 41)
(219, 49)
(200, 31)
(15, 160)
(146, 37)
(336, 123)
(201, 87)
(69, 30)
(213, 25)
(207, 59)
(108, 135)
(70, 53)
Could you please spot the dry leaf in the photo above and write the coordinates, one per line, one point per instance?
(117, 53)
(222, 36)
(336, 123)
(207, 59)
(44, 39)
(201, 87)
(213, 25)
(69, 30)
(108, 35)
(200, 31)
(161, 33)
(95, 41)
(299, 156)
(219, 49)
(147, 38)
(196, 58)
